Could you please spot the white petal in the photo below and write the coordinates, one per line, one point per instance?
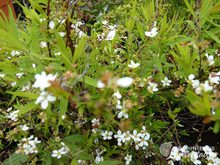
(44, 104)
(124, 82)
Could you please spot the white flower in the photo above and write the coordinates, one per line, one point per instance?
(175, 154)
(191, 77)
(210, 59)
(57, 154)
(207, 149)
(117, 95)
(166, 82)
(13, 115)
(124, 82)
(128, 159)
(62, 34)
(133, 65)
(123, 113)
(195, 83)
(15, 53)
(143, 142)
(136, 136)
(152, 87)
(24, 127)
(57, 54)
(120, 137)
(95, 123)
(111, 35)
(184, 150)
(62, 151)
(13, 84)
(34, 65)
(194, 157)
(43, 44)
(43, 81)
(99, 159)
(151, 33)
(44, 99)
(104, 22)
(107, 135)
(19, 75)
(214, 78)
(51, 24)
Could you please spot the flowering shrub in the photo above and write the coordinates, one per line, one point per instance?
(107, 82)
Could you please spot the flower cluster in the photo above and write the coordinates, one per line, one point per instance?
(62, 151)
(139, 139)
(207, 86)
(43, 81)
(207, 155)
(28, 145)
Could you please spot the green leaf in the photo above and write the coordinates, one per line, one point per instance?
(199, 106)
(74, 138)
(16, 159)
(216, 127)
(26, 108)
(63, 108)
(24, 94)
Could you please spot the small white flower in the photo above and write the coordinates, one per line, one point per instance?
(62, 151)
(152, 87)
(191, 77)
(34, 65)
(99, 159)
(214, 78)
(166, 82)
(111, 35)
(195, 83)
(143, 142)
(133, 65)
(104, 22)
(57, 54)
(125, 82)
(107, 135)
(43, 44)
(19, 75)
(175, 154)
(95, 123)
(123, 113)
(210, 59)
(13, 84)
(44, 99)
(207, 149)
(62, 34)
(13, 115)
(51, 24)
(120, 137)
(24, 127)
(194, 157)
(151, 33)
(15, 53)
(117, 95)
(128, 159)
(43, 81)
